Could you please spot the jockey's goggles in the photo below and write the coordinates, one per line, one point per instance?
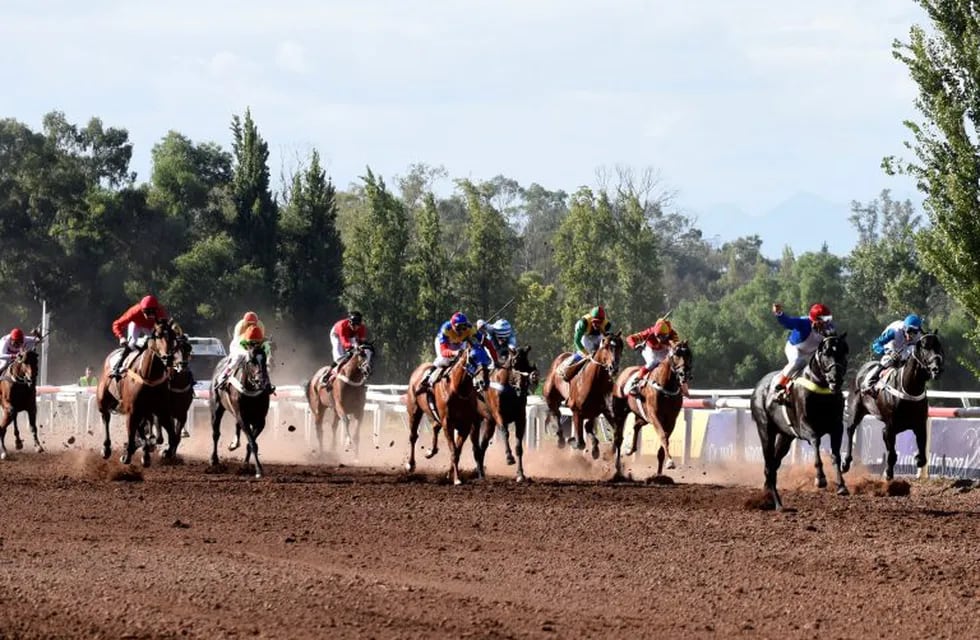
(913, 331)
(825, 318)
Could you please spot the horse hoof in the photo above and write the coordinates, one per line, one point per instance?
(38, 448)
(888, 476)
(185, 434)
(842, 491)
(124, 459)
(409, 467)
(457, 482)
(106, 452)
(521, 478)
(820, 482)
(561, 443)
(18, 444)
(511, 460)
(670, 464)
(846, 466)
(233, 446)
(595, 452)
(145, 460)
(3, 455)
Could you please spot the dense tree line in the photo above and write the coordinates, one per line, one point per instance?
(211, 236)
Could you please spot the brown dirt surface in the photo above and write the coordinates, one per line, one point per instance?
(341, 552)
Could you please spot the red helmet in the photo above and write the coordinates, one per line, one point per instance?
(251, 317)
(149, 303)
(16, 335)
(254, 334)
(820, 312)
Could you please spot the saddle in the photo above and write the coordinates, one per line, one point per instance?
(130, 358)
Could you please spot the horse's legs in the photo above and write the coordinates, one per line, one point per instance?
(821, 478)
(3, 433)
(348, 438)
(107, 443)
(237, 442)
(835, 442)
(216, 414)
(173, 437)
(318, 426)
(32, 419)
(413, 436)
(855, 413)
(480, 439)
(18, 443)
(132, 424)
(577, 430)
(782, 443)
(590, 428)
(619, 426)
(890, 457)
(436, 426)
(456, 438)
(252, 446)
(637, 426)
(504, 431)
(920, 442)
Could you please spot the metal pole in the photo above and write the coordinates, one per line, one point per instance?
(44, 349)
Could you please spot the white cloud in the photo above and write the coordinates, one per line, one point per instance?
(290, 57)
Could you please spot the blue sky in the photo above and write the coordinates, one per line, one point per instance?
(740, 106)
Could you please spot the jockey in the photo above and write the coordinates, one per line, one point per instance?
(15, 343)
(806, 333)
(891, 346)
(502, 336)
(237, 353)
(589, 331)
(253, 335)
(656, 341)
(345, 335)
(135, 323)
(453, 335)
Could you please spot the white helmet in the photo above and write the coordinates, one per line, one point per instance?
(480, 324)
(502, 328)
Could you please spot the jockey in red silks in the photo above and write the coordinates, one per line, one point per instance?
(656, 342)
(135, 323)
(15, 343)
(453, 335)
(345, 335)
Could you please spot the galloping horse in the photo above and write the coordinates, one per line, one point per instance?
(659, 402)
(451, 404)
(901, 404)
(246, 397)
(181, 386)
(590, 392)
(19, 393)
(504, 402)
(345, 397)
(142, 393)
(814, 407)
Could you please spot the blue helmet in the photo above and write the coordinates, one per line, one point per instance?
(502, 329)
(913, 321)
(459, 320)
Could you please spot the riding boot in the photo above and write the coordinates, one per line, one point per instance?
(117, 370)
(429, 381)
(636, 387)
(781, 389)
(871, 382)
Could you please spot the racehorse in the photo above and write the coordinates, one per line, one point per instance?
(504, 402)
(901, 404)
(181, 386)
(18, 392)
(246, 397)
(814, 407)
(660, 401)
(450, 404)
(141, 393)
(345, 397)
(590, 392)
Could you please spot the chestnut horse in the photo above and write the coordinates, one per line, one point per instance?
(246, 397)
(142, 394)
(590, 392)
(18, 392)
(660, 401)
(451, 404)
(901, 404)
(504, 402)
(814, 408)
(345, 397)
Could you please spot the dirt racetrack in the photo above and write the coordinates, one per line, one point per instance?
(342, 552)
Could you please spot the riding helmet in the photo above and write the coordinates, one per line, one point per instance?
(820, 312)
(250, 317)
(16, 335)
(598, 313)
(502, 328)
(459, 320)
(355, 317)
(254, 334)
(913, 321)
(149, 303)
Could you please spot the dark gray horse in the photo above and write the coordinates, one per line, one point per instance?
(901, 404)
(814, 407)
(246, 397)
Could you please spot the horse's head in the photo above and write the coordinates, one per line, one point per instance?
(829, 361)
(24, 367)
(255, 370)
(928, 352)
(680, 358)
(609, 351)
(182, 350)
(162, 341)
(523, 375)
(364, 356)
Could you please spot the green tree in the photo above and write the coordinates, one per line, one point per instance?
(943, 62)
(429, 268)
(379, 282)
(256, 214)
(636, 257)
(310, 268)
(487, 282)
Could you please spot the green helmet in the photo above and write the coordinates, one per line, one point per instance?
(598, 313)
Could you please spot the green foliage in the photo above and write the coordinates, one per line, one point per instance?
(429, 268)
(943, 62)
(487, 278)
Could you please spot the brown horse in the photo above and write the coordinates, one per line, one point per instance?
(660, 401)
(142, 394)
(246, 397)
(504, 402)
(181, 386)
(19, 393)
(345, 397)
(590, 392)
(451, 404)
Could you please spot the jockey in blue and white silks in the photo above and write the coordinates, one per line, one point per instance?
(806, 333)
(453, 335)
(892, 345)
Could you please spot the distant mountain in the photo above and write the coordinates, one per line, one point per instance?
(804, 222)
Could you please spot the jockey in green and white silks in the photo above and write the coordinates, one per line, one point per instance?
(589, 331)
